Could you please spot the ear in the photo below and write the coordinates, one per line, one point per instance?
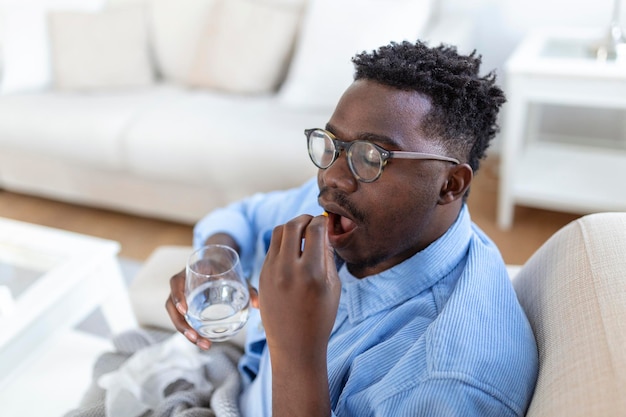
(456, 185)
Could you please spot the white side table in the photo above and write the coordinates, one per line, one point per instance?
(56, 279)
(556, 67)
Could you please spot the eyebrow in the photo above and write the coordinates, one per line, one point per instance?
(371, 137)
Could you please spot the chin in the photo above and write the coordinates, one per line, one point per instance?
(358, 263)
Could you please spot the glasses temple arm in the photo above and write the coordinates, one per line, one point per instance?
(421, 155)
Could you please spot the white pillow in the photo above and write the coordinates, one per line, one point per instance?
(100, 50)
(246, 46)
(333, 32)
(177, 25)
(25, 43)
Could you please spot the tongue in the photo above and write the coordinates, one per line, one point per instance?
(347, 225)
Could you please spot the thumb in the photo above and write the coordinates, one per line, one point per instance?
(331, 265)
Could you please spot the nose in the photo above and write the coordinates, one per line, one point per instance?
(339, 175)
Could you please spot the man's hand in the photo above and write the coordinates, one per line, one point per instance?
(299, 296)
(176, 305)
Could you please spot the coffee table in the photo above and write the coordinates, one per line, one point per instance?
(52, 279)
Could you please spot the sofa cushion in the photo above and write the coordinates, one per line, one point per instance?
(176, 29)
(150, 287)
(254, 141)
(83, 129)
(574, 294)
(100, 50)
(333, 32)
(245, 46)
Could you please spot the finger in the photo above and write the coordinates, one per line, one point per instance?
(203, 343)
(275, 242)
(176, 307)
(181, 325)
(317, 236)
(316, 244)
(177, 292)
(293, 233)
(179, 322)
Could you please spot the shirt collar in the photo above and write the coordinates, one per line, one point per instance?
(362, 298)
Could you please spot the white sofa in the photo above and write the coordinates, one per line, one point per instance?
(169, 108)
(572, 289)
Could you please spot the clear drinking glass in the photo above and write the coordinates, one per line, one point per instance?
(216, 292)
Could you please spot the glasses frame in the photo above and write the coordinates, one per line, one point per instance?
(385, 154)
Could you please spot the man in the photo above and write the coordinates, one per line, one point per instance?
(395, 304)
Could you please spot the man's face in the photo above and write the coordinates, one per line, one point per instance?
(374, 226)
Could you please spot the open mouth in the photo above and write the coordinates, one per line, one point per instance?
(340, 225)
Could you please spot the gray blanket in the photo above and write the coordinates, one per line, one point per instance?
(218, 396)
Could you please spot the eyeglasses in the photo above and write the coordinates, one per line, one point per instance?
(365, 159)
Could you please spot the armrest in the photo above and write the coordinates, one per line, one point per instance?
(151, 286)
(574, 294)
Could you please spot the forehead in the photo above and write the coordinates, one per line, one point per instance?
(368, 107)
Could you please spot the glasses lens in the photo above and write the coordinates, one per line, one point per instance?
(366, 161)
(321, 149)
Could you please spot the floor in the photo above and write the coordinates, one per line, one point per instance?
(140, 236)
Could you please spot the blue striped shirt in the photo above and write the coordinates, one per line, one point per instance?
(441, 334)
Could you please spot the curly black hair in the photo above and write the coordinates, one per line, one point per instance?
(464, 105)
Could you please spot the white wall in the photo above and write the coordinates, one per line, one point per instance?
(501, 25)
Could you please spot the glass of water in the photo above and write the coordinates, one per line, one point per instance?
(216, 292)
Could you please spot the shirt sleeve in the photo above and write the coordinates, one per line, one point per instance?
(236, 220)
(246, 220)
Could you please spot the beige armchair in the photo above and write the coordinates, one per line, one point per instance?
(573, 290)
